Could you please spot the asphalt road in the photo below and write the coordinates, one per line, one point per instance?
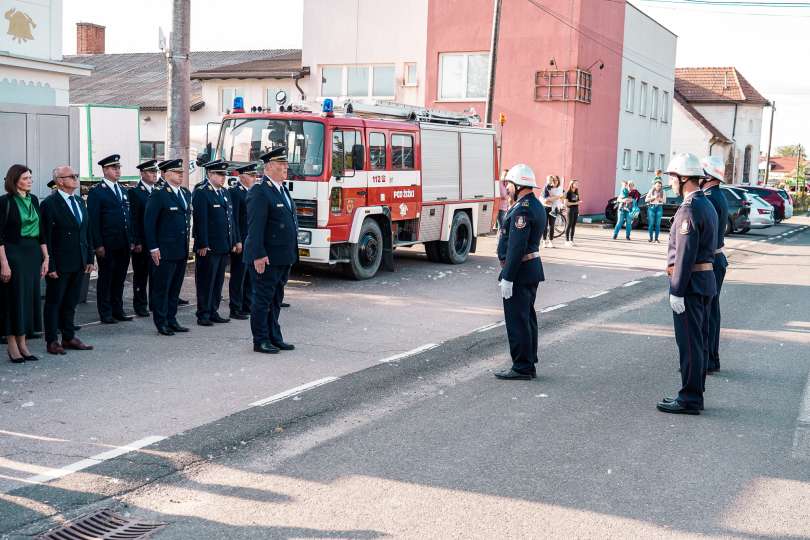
(431, 445)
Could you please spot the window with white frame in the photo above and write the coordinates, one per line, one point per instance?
(382, 81)
(226, 97)
(626, 159)
(661, 163)
(463, 76)
(630, 98)
(358, 81)
(639, 160)
(642, 104)
(332, 81)
(650, 161)
(665, 107)
(654, 111)
(410, 74)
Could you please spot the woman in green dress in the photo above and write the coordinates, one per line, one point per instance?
(23, 263)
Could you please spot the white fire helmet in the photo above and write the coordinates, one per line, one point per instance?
(686, 165)
(714, 167)
(521, 175)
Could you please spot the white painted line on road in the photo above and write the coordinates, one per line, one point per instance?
(801, 437)
(412, 352)
(553, 308)
(659, 274)
(597, 295)
(488, 327)
(631, 283)
(293, 391)
(94, 460)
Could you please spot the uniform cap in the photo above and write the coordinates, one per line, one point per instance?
(148, 165)
(114, 159)
(521, 175)
(714, 167)
(218, 165)
(249, 168)
(276, 154)
(686, 165)
(171, 165)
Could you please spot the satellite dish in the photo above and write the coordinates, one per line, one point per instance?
(281, 97)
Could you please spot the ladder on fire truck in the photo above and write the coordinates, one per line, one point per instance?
(411, 113)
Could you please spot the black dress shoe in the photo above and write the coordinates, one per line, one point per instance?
(165, 331)
(177, 327)
(675, 407)
(216, 318)
(108, 320)
(181, 302)
(672, 400)
(512, 375)
(142, 312)
(265, 347)
(122, 317)
(283, 346)
(30, 358)
(204, 322)
(19, 360)
(239, 316)
(285, 304)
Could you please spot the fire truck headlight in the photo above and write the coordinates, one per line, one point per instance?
(305, 237)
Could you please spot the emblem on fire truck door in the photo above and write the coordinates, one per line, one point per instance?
(403, 209)
(349, 205)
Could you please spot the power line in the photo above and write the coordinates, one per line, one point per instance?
(740, 3)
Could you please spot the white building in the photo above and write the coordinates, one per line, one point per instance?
(718, 112)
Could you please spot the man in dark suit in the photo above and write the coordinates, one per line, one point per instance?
(239, 286)
(215, 235)
(166, 226)
(110, 233)
(271, 248)
(140, 256)
(67, 235)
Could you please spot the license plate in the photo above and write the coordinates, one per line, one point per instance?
(303, 252)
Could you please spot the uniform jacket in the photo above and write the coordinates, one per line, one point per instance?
(110, 225)
(718, 200)
(137, 206)
(214, 225)
(10, 222)
(68, 241)
(271, 225)
(239, 201)
(520, 235)
(692, 240)
(166, 224)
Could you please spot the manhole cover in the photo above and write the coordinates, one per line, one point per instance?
(102, 525)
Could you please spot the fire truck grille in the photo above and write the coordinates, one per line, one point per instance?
(307, 211)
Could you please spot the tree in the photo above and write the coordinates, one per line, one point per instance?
(791, 150)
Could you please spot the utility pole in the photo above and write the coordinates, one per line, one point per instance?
(493, 59)
(799, 150)
(770, 138)
(179, 88)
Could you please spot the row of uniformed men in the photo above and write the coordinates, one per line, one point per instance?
(696, 265)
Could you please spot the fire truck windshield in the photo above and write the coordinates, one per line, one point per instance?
(244, 140)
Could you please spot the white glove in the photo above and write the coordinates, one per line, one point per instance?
(506, 289)
(677, 303)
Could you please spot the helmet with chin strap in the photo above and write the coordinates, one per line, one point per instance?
(522, 176)
(714, 167)
(686, 166)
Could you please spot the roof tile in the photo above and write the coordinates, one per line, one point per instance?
(716, 85)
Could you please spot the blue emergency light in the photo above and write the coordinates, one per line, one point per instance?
(328, 106)
(238, 104)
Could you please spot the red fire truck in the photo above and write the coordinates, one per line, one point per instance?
(374, 178)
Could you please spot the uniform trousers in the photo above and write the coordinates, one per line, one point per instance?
(112, 273)
(691, 335)
(521, 326)
(209, 274)
(239, 285)
(61, 299)
(713, 359)
(166, 280)
(268, 293)
(140, 280)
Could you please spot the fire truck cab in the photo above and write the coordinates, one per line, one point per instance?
(366, 182)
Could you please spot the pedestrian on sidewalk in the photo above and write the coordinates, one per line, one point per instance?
(23, 263)
(572, 204)
(553, 204)
(692, 243)
(624, 208)
(67, 235)
(503, 200)
(521, 272)
(655, 208)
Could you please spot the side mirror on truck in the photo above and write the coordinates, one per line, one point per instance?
(358, 157)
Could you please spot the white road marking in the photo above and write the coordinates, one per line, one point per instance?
(597, 295)
(412, 352)
(553, 308)
(488, 327)
(94, 460)
(659, 274)
(801, 437)
(631, 283)
(293, 392)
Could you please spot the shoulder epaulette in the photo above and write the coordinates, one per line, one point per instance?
(524, 203)
(209, 186)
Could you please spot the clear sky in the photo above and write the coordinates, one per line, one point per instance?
(770, 46)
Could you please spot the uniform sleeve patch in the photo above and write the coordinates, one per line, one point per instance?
(520, 222)
(684, 227)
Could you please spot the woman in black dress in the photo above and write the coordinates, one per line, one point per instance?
(23, 263)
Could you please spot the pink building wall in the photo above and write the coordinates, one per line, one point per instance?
(571, 139)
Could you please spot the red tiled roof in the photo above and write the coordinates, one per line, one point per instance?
(716, 85)
(782, 163)
(694, 113)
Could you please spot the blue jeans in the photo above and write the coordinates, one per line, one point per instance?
(623, 217)
(654, 214)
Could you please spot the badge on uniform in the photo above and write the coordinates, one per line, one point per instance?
(685, 227)
(520, 222)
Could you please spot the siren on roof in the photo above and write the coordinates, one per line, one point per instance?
(238, 104)
(328, 107)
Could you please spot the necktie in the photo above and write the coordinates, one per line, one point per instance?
(75, 208)
(182, 199)
(118, 192)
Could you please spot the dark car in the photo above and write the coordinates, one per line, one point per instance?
(771, 196)
(739, 210)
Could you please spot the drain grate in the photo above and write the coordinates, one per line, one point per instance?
(102, 525)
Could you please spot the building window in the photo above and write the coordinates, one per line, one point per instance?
(332, 81)
(270, 98)
(401, 152)
(563, 85)
(626, 159)
(153, 150)
(357, 81)
(651, 162)
(463, 76)
(654, 111)
(360, 81)
(665, 108)
(630, 98)
(639, 160)
(383, 81)
(410, 74)
(376, 151)
(642, 104)
(227, 96)
(661, 163)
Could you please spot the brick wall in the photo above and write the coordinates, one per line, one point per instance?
(89, 38)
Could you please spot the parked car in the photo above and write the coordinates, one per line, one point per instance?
(785, 194)
(772, 196)
(761, 212)
(739, 210)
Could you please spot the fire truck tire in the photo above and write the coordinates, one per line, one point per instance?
(457, 247)
(366, 255)
(432, 251)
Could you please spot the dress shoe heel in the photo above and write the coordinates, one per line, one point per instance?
(19, 360)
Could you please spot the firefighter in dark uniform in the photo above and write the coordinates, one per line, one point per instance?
(521, 271)
(140, 255)
(167, 219)
(111, 234)
(715, 174)
(271, 248)
(215, 235)
(239, 284)
(692, 243)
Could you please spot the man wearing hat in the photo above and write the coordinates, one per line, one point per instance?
(110, 232)
(140, 256)
(215, 235)
(239, 286)
(271, 248)
(166, 228)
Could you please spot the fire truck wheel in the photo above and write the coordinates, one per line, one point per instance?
(457, 247)
(366, 254)
(432, 251)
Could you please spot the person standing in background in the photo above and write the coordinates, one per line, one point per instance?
(655, 209)
(504, 200)
(553, 202)
(239, 285)
(138, 196)
(572, 203)
(624, 207)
